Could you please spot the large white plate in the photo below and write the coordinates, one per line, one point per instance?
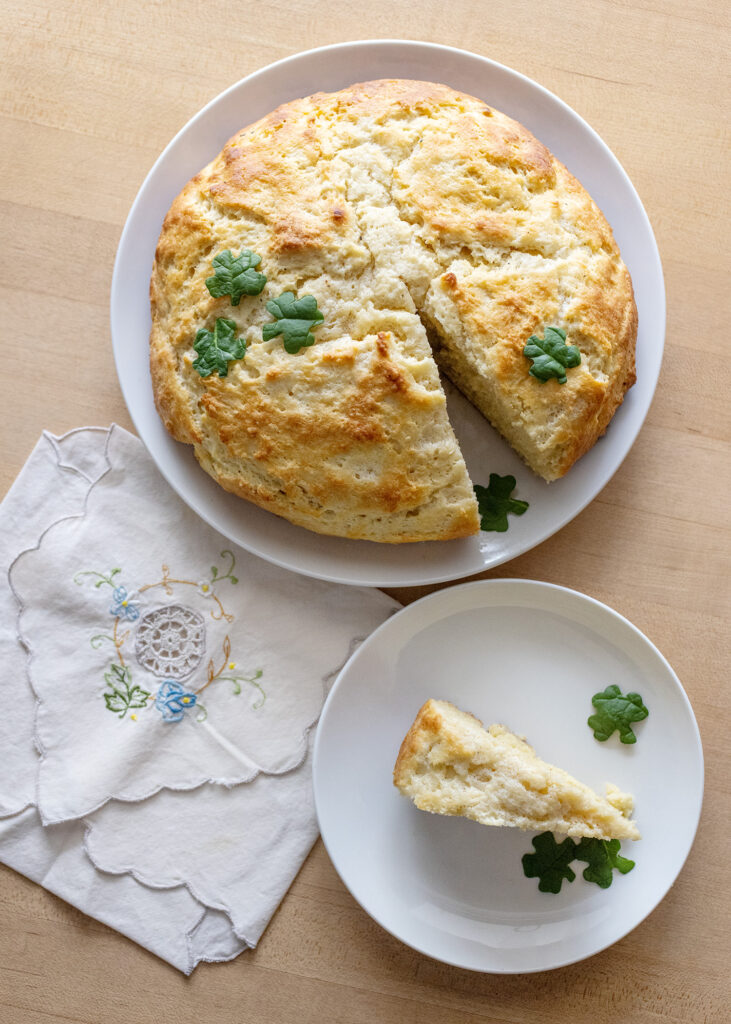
(529, 655)
(362, 562)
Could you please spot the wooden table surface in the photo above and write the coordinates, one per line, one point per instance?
(91, 93)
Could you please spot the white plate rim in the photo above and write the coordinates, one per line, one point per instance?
(507, 584)
(377, 573)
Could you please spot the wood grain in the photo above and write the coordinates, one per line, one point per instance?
(90, 92)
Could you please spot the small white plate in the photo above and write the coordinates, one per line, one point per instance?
(363, 562)
(529, 655)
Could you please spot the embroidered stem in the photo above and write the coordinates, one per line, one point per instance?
(228, 575)
(101, 578)
(167, 579)
(238, 680)
(212, 673)
(165, 582)
(223, 613)
(119, 640)
(98, 640)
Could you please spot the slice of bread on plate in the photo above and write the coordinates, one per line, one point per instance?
(450, 764)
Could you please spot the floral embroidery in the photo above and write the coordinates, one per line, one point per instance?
(214, 674)
(172, 701)
(169, 642)
(125, 605)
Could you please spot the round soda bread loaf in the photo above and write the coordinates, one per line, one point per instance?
(405, 208)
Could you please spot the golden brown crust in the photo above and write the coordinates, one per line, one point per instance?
(391, 202)
(424, 731)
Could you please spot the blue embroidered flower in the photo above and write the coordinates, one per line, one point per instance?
(172, 701)
(125, 605)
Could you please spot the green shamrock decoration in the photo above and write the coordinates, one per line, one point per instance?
(602, 855)
(217, 348)
(550, 863)
(615, 711)
(294, 320)
(236, 275)
(551, 355)
(494, 503)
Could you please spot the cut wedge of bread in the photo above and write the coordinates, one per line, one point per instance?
(450, 764)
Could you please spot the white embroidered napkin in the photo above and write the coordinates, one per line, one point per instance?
(161, 658)
(171, 923)
(53, 484)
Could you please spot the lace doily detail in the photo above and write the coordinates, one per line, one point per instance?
(170, 641)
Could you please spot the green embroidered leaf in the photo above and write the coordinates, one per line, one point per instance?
(236, 275)
(123, 694)
(550, 863)
(551, 355)
(294, 320)
(602, 856)
(118, 675)
(217, 348)
(615, 711)
(494, 503)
